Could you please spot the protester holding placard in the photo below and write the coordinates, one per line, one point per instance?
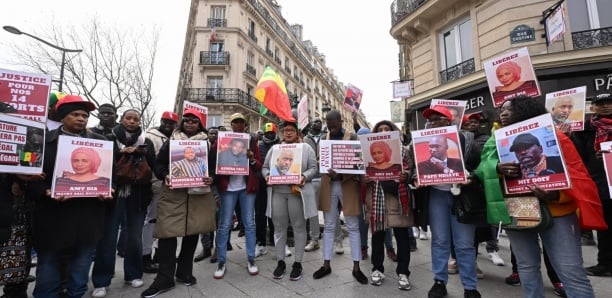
(133, 198)
(443, 222)
(388, 206)
(561, 239)
(262, 222)
(598, 129)
(290, 202)
(340, 191)
(181, 212)
(235, 187)
(64, 224)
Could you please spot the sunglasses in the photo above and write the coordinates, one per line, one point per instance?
(191, 120)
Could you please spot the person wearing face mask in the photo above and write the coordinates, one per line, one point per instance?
(132, 200)
(157, 135)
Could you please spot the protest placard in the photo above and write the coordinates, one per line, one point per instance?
(22, 144)
(24, 94)
(607, 159)
(437, 152)
(302, 112)
(200, 108)
(344, 157)
(456, 107)
(83, 168)
(188, 163)
(286, 164)
(352, 99)
(534, 146)
(382, 155)
(232, 150)
(567, 107)
(511, 75)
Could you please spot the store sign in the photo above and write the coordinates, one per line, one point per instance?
(603, 84)
(522, 33)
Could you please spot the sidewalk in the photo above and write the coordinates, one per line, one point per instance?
(340, 283)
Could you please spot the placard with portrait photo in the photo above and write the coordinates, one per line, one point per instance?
(567, 108)
(344, 157)
(382, 155)
(511, 75)
(22, 144)
(438, 156)
(352, 99)
(533, 144)
(232, 148)
(456, 107)
(607, 159)
(83, 168)
(188, 163)
(286, 164)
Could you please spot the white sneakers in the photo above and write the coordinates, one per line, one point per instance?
(252, 268)
(377, 278)
(260, 250)
(496, 259)
(135, 283)
(312, 245)
(404, 283)
(422, 234)
(287, 251)
(99, 292)
(220, 272)
(338, 247)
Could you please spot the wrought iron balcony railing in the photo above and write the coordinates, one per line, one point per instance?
(403, 8)
(592, 38)
(250, 69)
(217, 22)
(214, 58)
(225, 95)
(454, 72)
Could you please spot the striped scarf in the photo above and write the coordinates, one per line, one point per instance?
(603, 130)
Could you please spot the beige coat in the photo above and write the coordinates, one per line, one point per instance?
(393, 215)
(180, 214)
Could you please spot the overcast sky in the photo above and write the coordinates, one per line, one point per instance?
(358, 48)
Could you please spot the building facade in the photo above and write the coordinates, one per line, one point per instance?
(228, 45)
(443, 44)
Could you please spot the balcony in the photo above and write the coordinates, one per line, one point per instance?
(224, 96)
(269, 52)
(214, 58)
(454, 72)
(403, 8)
(252, 36)
(592, 38)
(217, 22)
(251, 69)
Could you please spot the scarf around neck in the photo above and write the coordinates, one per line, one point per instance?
(125, 138)
(603, 130)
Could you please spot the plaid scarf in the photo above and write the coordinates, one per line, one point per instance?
(603, 130)
(377, 210)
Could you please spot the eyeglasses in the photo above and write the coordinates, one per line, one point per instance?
(191, 120)
(289, 130)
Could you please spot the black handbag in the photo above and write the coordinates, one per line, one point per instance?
(470, 206)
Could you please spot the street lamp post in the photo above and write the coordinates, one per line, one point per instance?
(16, 31)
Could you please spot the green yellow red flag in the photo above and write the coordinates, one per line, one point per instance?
(272, 94)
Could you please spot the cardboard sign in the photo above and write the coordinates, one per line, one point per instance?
(232, 150)
(83, 168)
(438, 156)
(22, 144)
(567, 107)
(534, 146)
(352, 99)
(382, 155)
(456, 107)
(344, 157)
(286, 164)
(188, 163)
(24, 94)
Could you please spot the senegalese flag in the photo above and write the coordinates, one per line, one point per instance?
(272, 94)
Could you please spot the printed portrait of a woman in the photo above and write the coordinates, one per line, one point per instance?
(85, 163)
(381, 154)
(509, 75)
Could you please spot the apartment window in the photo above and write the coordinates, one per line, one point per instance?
(217, 12)
(214, 85)
(589, 14)
(268, 44)
(456, 44)
(213, 120)
(250, 58)
(217, 52)
(249, 89)
(251, 31)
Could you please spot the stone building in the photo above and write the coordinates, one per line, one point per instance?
(443, 44)
(228, 45)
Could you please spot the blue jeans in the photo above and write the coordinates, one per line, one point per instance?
(104, 264)
(331, 223)
(442, 224)
(562, 244)
(48, 271)
(247, 209)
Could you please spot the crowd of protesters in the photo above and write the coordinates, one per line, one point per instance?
(70, 235)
